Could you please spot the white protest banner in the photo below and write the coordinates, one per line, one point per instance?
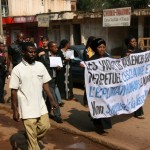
(117, 17)
(117, 86)
(70, 54)
(55, 62)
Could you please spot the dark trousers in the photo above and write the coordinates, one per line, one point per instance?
(139, 112)
(85, 98)
(56, 111)
(2, 83)
(103, 123)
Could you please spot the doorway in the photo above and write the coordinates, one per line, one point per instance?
(77, 34)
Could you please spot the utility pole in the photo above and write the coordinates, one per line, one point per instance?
(1, 24)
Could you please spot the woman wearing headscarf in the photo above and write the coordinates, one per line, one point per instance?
(64, 75)
(132, 48)
(99, 47)
(87, 54)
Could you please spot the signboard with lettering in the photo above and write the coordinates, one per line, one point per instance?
(24, 19)
(117, 17)
(43, 20)
(117, 86)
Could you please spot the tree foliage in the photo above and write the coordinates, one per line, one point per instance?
(89, 5)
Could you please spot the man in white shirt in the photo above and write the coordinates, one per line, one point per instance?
(28, 79)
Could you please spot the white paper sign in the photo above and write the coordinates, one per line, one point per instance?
(117, 86)
(70, 54)
(55, 62)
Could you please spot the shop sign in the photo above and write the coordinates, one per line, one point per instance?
(117, 17)
(43, 20)
(24, 19)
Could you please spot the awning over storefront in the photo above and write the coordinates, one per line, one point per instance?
(24, 19)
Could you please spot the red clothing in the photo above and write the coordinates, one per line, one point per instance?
(40, 44)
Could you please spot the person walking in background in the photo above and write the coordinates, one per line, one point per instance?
(28, 39)
(98, 45)
(27, 81)
(132, 48)
(2, 71)
(87, 54)
(43, 55)
(64, 75)
(52, 47)
(15, 51)
(40, 42)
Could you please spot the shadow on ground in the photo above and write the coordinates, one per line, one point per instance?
(80, 119)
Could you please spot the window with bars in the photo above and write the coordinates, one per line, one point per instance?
(4, 8)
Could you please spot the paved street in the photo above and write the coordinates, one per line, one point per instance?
(128, 133)
(12, 134)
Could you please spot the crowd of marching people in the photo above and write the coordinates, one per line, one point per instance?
(37, 89)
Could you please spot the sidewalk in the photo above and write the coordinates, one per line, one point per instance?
(128, 133)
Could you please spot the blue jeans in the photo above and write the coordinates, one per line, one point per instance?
(58, 96)
(56, 111)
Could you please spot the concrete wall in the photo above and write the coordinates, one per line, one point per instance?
(113, 36)
(32, 7)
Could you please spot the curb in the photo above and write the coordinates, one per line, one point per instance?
(101, 141)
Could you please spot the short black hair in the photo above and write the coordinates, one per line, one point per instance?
(26, 44)
(63, 43)
(50, 43)
(45, 38)
(128, 39)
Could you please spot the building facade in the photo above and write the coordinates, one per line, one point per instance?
(64, 22)
(21, 16)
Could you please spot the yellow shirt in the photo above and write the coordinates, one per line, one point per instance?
(89, 52)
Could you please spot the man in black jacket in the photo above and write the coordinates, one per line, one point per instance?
(15, 51)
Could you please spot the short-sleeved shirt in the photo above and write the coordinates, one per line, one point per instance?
(29, 80)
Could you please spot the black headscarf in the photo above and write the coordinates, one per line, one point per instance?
(95, 43)
(90, 39)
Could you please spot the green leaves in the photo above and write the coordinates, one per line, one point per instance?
(97, 5)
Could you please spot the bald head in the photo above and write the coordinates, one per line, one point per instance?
(20, 37)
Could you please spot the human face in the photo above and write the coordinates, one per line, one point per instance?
(20, 37)
(45, 43)
(53, 48)
(2, 47)
(30, 54)
(101, 49)
(68, 45)
(133, 43)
